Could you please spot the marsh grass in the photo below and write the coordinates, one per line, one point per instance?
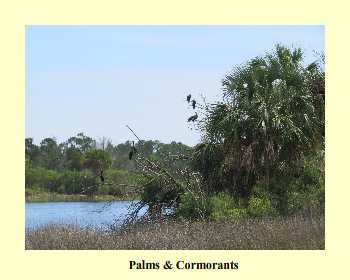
(292, 233)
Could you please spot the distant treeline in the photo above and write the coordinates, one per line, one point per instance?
(74, 166)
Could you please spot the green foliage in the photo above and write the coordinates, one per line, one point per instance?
(75, 182)
(81, 142)
(119, 176)
(32, 151)
(152, 192)
(42, 178)
(207, 158)
(299, 190)
(223, 206)
(157, 192)
(307, 200)
(306, 197)
(259, 207)
(70, 182)
(74, 159)
(80, 152)
(96, 160)
(222, 202)
(193, 206)
(118, 182)
(121, 182)
(217, 207)
(50, 153)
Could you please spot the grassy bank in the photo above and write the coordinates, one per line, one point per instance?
(277, 233)
(57, 197)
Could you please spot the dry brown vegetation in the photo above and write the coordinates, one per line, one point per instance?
(295, 233)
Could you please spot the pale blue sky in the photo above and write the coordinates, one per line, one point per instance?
(97, 79)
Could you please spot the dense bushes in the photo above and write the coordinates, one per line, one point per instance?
(303, 193)
(259, 207)
(118, 182)
(75, 182)
(223, 206)
(42, 178)
(193, 206)
(69, 182)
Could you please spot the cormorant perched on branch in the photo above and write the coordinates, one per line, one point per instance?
(132, 151)
(101, 176)
(194, 104)
(193, 118)
(189, 98)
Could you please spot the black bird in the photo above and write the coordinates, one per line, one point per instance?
(131, 154)
(101, 176)
(132, 151)
(189, 98)
(194, 104)
(193, 118)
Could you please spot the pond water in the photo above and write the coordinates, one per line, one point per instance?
(92, 214)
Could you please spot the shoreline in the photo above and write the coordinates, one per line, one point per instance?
(56, 197)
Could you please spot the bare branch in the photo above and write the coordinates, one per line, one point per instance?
(133, 133)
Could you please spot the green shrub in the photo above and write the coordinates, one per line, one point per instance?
(217, 207)
(223, 206)
(152, 192)
(61, 189)
(118, 176)
(221, 203)
(42, 178)
(306, 192)
(75, 182)
(312, 199)
(104, 189)
(313, 170)
(260, 206)
(32, 191)
(193, 206)
(96, 159)
(319, 195)
(260, 190)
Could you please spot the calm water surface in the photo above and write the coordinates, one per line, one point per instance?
(95, 214)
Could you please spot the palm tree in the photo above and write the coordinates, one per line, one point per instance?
(272, 114)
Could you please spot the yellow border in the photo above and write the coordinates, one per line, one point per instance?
(20, 264)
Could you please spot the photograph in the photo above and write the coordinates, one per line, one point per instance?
(174, 137)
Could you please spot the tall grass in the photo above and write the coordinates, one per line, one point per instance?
(277, 233)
